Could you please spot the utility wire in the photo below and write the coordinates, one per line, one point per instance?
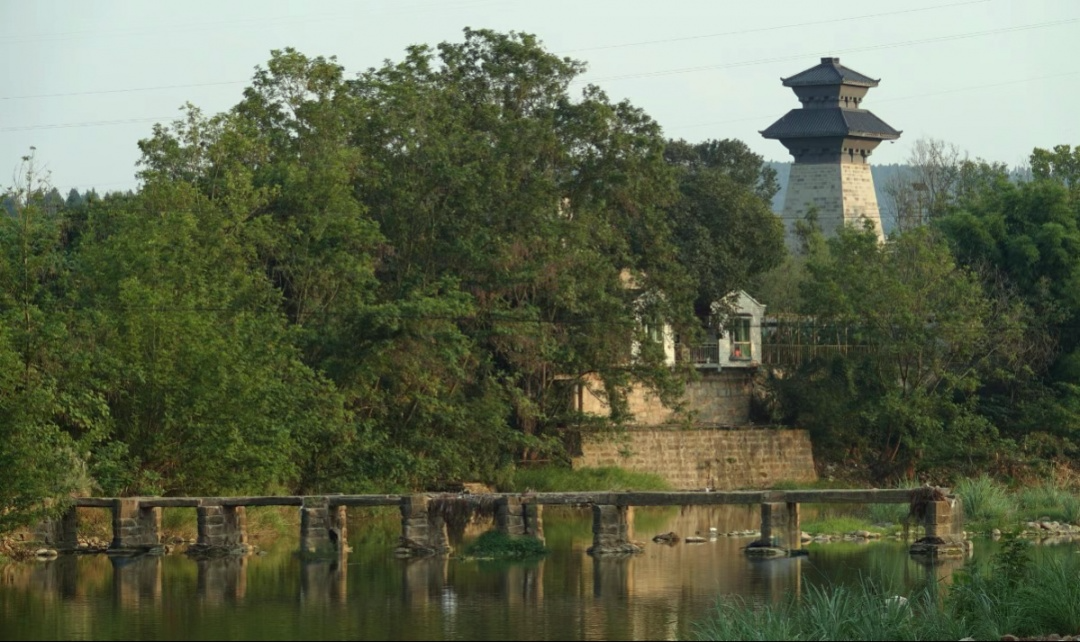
(802, 56)
(678, 39)
(896, 99)
(124, 91)
(289, 21)
(740, 32)
(677, 127)
(92, 123)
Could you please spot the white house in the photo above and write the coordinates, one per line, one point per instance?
(736, 343)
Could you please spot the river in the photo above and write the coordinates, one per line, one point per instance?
(657, 595)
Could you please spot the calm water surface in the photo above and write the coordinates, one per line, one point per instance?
(659, 594)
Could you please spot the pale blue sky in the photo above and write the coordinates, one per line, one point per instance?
(83, 81)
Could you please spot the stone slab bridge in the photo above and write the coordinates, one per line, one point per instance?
(222, 524)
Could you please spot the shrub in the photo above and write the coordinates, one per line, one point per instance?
(496, 545)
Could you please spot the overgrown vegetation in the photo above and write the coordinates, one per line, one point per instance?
(839, 524)
(554, 479)
(387, 281)
(496, 545)
(1013, 593)
(948, 350)
(369, 283)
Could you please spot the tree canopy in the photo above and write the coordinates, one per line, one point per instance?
(380, 281)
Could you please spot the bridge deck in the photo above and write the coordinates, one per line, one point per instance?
(617, 498)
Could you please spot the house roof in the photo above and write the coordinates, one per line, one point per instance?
(829, 72)
(813, 123)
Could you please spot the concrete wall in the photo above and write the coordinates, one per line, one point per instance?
(708, 458)
(719, 398)
(842, 193)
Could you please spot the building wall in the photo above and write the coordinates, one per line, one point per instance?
(707, 458)
(719, 398)
(842, 193)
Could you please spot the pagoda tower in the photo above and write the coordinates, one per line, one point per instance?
(831, 139)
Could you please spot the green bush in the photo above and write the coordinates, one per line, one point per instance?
(496, 545)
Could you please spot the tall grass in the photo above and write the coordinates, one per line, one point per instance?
(554, 479)
(1051, 500)
(1015, 592)
(836, 524)
(862, 612)
(987, 503)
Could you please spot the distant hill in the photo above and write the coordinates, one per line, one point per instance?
(881, 174)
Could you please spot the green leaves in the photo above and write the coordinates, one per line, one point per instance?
(924, 338)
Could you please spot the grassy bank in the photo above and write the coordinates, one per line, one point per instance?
(555, 479)
(1015, 592)
(987, 505)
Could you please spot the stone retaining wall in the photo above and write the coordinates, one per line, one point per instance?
(707, 458)
(718, 398)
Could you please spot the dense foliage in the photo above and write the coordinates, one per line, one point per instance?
(952, 348)
(347, 284)
(399, 279)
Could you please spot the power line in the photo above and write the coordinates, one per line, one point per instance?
(122, 91)
(774, 28)
(802, 56)
(650, 42)
(645, 75)
(242, 22)
(898, 98)
(92, 123)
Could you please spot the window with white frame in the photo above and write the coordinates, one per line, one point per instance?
(740, 339)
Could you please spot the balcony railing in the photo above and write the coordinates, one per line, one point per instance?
(705, 354)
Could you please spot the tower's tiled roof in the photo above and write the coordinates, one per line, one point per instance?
(813, 123)
(829, 72)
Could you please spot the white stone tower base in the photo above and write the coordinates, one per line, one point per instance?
(842, 193)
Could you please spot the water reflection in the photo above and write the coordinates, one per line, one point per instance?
(136, 579)
(222, 579)
(323, 582)
(658, 594)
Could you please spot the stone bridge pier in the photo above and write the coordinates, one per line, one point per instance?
(222, 530)
(62, 533)
(517, 518)
(423, 532)
(322, 528)
(780, 525)
(136, 528)
(612, 530)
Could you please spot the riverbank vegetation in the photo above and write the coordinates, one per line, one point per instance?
(988, 505)
(555, 479)
(395, 281)
(496, 545)
(1014, 593)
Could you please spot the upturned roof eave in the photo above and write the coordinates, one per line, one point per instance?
(850, 133)
(840, 81)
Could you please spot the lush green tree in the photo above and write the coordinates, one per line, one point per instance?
(1027, 235)
(46, 424)
(723, 224)
(1060, 164)
(918, 336)
(534, 200)
(205, 388)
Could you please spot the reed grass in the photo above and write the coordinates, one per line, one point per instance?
(987, 503)
(1017, 591)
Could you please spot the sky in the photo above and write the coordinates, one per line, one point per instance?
(81, 81)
